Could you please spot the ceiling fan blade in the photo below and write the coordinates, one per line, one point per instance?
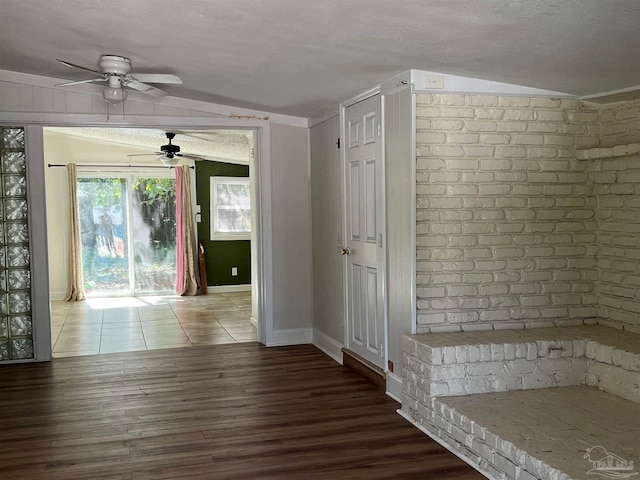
(144, 88)
(81, 81)
(145, 154)
(157, 78)
(73, 65)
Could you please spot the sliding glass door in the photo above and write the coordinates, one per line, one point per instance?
(127, 230)
(154, 234)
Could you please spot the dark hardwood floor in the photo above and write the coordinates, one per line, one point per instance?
(219, 412)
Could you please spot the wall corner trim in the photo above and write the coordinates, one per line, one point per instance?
(328, 345)
(290, 336)
(323, 115)
(394, 386)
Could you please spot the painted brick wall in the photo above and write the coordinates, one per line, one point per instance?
(619, 123)
(506, 218)
(616, 186)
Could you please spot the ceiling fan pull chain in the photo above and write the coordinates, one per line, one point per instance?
(124, 96)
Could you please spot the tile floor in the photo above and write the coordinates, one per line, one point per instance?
(126, 324)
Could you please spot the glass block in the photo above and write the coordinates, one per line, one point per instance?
(14, 162)
(4, 351)
(13, 138)
(3, 327)
(21, 348)
(15, 209)
(19, 279)
(14, 185)
(3, 281)
(18, 256)
(3, 304)
(3, 258)
(19, 302)
(20, 326)
(17, 232)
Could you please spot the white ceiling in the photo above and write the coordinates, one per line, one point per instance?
(298, 57)
(224, 145)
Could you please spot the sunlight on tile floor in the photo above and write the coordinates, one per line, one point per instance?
(126, 324)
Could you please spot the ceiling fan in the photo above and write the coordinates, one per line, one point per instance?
(170, 153)
(116, 71)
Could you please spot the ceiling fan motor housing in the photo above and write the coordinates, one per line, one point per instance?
(115, 64)
(170, 149)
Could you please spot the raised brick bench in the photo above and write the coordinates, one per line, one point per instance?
(450, 384)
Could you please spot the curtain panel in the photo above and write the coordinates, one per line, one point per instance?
(75, 290)
(187, 278)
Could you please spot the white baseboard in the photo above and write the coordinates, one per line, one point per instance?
(254, 322)
(328, 345)
(57, 295)
(290, 336)
(228, 288)
(394, 386)
(457, 453)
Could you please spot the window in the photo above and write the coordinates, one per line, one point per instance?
(230, 208)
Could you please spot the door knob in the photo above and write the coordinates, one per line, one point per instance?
(345, 251)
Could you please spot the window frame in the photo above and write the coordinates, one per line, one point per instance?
(214, 235)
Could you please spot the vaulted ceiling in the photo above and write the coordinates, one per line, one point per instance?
(298, 57)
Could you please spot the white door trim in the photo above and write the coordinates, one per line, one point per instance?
(36, 198)
(262, 235)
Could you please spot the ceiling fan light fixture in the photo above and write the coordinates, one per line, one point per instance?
(169, 162)
(114, 95)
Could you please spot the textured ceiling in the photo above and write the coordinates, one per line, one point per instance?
(298, 57)
(229, 145)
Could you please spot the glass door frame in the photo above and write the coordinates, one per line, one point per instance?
(129, 176)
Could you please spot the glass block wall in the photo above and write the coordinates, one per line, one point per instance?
(16, 331)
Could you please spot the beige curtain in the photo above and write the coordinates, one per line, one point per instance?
(188, 281)
(75, 290)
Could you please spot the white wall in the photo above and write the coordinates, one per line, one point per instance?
(291, 234)
(326, 203)
(400, 228)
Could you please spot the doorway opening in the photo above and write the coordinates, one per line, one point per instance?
(126, 212)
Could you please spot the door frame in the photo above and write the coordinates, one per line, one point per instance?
(261, 222)
(383, 224)
(129, 177)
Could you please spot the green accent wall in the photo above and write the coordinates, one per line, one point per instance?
(221, 256)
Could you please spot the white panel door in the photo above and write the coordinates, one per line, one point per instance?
(363, 227)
